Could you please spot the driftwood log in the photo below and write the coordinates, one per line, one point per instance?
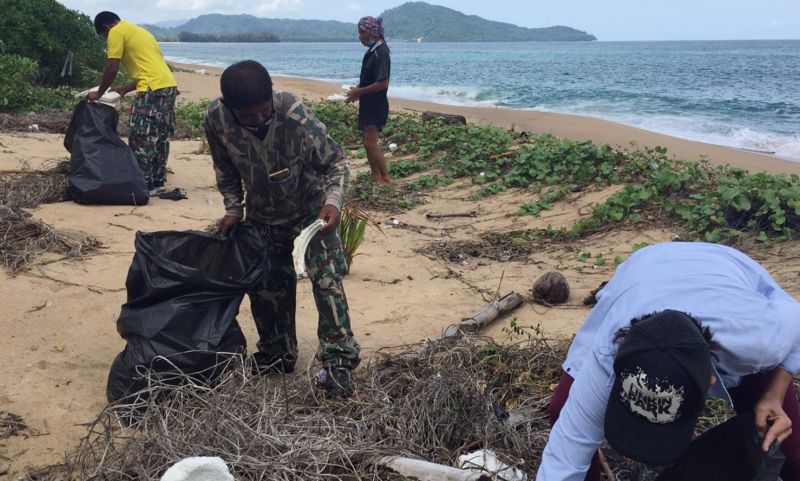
(436, 215)
(426, 471)
(485, 315)
(477, 321)
(446, 118)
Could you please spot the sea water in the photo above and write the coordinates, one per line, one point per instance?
(740, 94)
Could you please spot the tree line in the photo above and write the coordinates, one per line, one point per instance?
(247, 37)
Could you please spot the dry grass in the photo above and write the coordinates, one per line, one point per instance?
(29, 188)
(453, 398)
(22, 238)
(10, 424)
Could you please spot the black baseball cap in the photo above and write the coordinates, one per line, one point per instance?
(663, 369)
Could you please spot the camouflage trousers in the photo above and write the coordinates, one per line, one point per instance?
(152, 122)
(273, 305)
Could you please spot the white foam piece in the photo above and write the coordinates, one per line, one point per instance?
(198, 469)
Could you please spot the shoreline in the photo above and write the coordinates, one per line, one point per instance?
(196, 85)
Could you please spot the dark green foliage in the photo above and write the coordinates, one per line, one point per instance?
(18, 91)
(406, 23)
(45, 31)
(247, 37)
(190, 117)
(341, 120)
(286, 30)
(405, 167)
(715, 204)
(434, 23)
(546, 200)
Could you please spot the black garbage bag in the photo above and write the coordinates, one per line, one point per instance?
(730, 451)
(102, 168)
(184, 291)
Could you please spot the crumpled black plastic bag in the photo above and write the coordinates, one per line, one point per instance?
(102, 167)
(184, 291)
(730, 451)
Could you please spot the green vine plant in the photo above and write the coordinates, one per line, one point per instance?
(712, 203)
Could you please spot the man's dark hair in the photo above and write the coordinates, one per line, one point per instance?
(102, 19)
(245, 84)
(713, 345)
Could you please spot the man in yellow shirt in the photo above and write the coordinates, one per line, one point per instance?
(153, 113)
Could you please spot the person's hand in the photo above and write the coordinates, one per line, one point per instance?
(352, 95)
(121, 90)
(93, 96)
(330, 215)
(228, 222)
(772, 423)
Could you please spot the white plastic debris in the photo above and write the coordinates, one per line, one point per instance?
(301, 245)
(201, 71)
(336, 98)
(33, 127)
(109, 98)
(392, 147)
(198, 469)
(486, 461)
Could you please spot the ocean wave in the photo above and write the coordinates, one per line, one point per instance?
(714, 131)
(711, 130)
(195, 61)
(447, 95)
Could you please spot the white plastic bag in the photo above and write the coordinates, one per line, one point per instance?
(198, 469)
(109, 98)
(486, 461)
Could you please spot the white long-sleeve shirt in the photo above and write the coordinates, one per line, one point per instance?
(755, 321)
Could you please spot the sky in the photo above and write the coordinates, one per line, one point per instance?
(608, 20)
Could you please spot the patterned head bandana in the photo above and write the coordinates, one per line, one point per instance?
(371, 26)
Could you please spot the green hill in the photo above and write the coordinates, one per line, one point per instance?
(408, 22)
(432, 23)
(286, 29)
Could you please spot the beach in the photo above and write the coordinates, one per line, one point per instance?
(61, 313)
(196, 87)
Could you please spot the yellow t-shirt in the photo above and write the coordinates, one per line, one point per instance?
(140, 54)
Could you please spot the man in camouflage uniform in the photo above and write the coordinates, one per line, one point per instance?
(153, 112)
(272, 147)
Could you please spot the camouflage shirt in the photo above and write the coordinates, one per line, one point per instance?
(294, 170)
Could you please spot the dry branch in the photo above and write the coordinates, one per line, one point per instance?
(434, 215)
(486, 315)
(22, 238)
(434, 408)
(29, 188)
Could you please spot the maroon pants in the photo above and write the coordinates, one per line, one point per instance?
(744, 397)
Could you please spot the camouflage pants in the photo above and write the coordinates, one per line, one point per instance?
(152, 122)
(273, 305)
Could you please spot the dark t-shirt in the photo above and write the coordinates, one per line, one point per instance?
(373, 109)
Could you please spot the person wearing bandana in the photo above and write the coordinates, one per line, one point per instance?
(275, 162)
(373, 103)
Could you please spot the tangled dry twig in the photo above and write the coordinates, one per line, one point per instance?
(453, 398)
(29, 188)
(22, 238)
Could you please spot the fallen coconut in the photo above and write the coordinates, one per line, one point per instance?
(551, 288)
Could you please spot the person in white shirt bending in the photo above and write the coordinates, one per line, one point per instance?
(677, 322)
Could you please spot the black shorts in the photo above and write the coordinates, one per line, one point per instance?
(372, 113)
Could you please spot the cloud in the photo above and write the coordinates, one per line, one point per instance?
(354, 7)
(273, 6)
(230, 6)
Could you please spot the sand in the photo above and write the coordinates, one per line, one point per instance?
(58, 318)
